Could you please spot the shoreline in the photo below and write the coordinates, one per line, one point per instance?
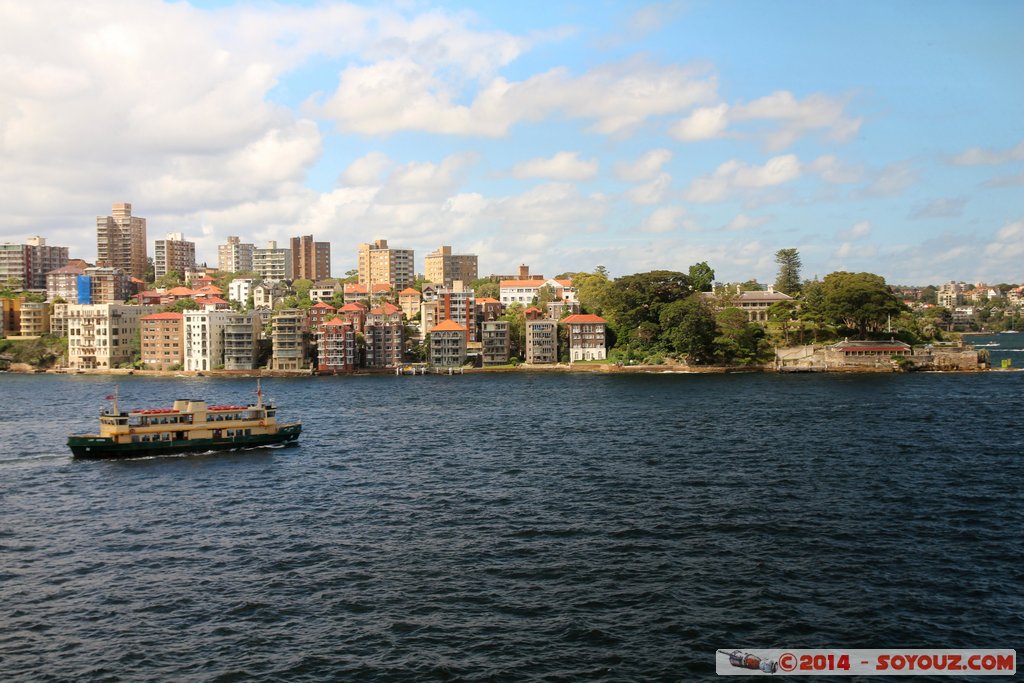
(608, 369)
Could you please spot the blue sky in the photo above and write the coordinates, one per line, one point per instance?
(872, 136)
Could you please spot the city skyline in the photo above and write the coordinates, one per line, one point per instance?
(870, 137)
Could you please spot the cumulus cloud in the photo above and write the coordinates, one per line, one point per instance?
(946, 207)
(744, 222)
(667, 219)
(1014, 180)
(366, 170)
(834, 171)
(792, 118)
(401, 95)
(857, 232)
(704, 123)
(736, 175)
(979, 156)
(562, 166)
(653, 192)
(1008, 242)
(646, 167)
(890, 181)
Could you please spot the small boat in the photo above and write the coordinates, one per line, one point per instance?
(189, 426)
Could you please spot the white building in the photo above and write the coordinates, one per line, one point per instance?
(100, 336)
(240, 289)
(525, 291)
(204, 339)
(272, 264)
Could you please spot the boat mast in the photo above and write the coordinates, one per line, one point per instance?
(259, 394)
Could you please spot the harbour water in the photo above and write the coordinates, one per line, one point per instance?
(514, 527)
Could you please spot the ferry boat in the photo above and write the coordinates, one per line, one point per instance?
(189, 426)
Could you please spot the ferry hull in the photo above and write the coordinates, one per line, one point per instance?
(86, 447)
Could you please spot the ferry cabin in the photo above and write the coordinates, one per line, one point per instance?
(188, 420)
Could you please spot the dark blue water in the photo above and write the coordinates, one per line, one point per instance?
(537, 527)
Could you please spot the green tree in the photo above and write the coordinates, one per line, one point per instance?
(689, 328)
(782, 313)
(592, 290)
(516, 318)
(738, 340)
(545, 295)
(181, 305)
(788, 279)
(861, 301)
(487, 289)
(301, 288)
(633, 303)
(702, 277)
(169, 281)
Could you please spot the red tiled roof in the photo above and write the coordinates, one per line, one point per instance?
(336, 321)
(323, 304)
(534, 284)
(410, 290)
(180, 291)
(355, 288)
(390, 309)
(584, 318)
(163, 316)
(381, 287)
(534, 309)
(352, 308)
(487, 300)
(210, 300)
(448, 326)
(565, 283)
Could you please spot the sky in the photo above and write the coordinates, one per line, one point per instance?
(871, 136)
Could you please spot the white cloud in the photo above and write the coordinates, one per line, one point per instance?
(1008, 243)
(705, 123)
(848, 250)
(833, 170)
(366, 170)
(1014, 180)
(646, 167)
(857, 232)
(653, 192)
(744, 222)
(736, 175)
(798, 117)
(946, 207)
(793, 118)
(562, 166)
(667, 219)
(890, 181)
(400, 94)
(978, 156)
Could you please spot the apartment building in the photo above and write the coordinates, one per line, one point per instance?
(586, 337)
(268, 295)
(384, 337)
(35, 318)
(495, 341)
(121, 241)
(173, 254)
(336, 347)
(272, 264)
(448, 344)
(235, 256)
(240, 289)
(63, 283)
(27, 264)
(444, 267)
(310, 260)
(458, 303)
(163, 341)
(379, 263)
(409, 301)
(101, 285)
(290, 341)
(541, 341)
(242, 332)
(100, 336)
(204, 339)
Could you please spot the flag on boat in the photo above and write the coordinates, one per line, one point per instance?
(110, 397)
